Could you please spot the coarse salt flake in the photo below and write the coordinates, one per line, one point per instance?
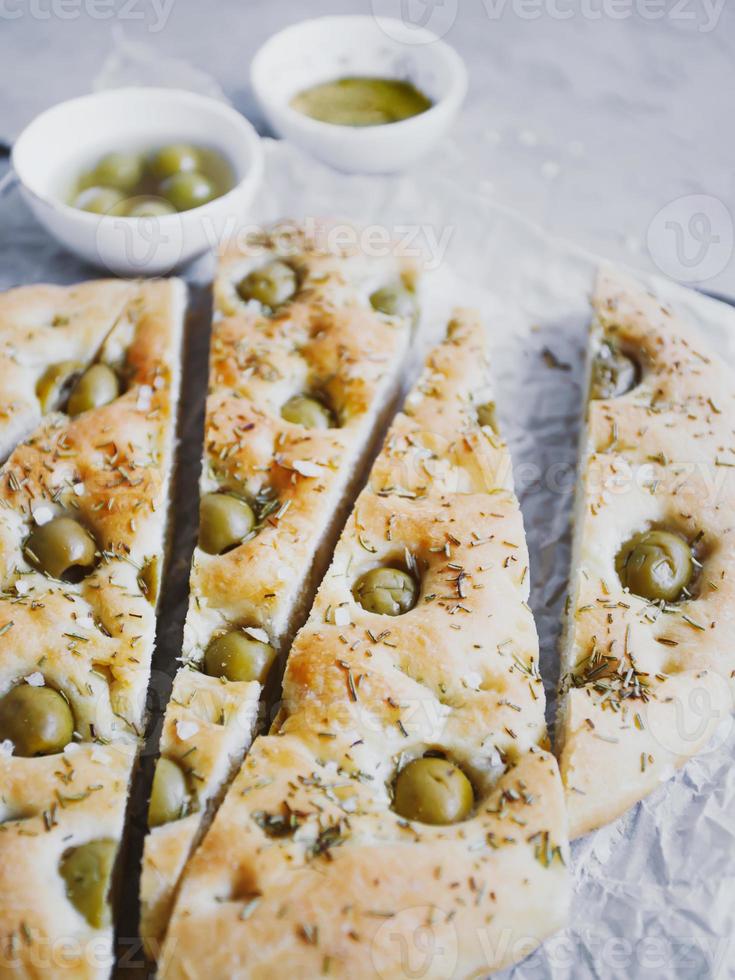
(342, 616)
(185, 729)
(79, 489)
(35, 679)
(145, 394)
(6, 747)
(256, 633)
(306, 468)
(43, 514)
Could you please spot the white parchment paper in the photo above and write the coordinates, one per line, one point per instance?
(654, 892)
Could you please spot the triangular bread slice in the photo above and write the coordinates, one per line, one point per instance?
(44, 326)
(646, 684)
(308, 870)
(326, 341)
(90, 639)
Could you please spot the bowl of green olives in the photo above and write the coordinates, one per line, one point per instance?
(139, 180)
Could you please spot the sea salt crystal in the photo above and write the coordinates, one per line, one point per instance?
(305, 468)
(342, 616)
(185, 729)
(79, 489)
(35, 679)
(22, 587)
(145, 394)
(6, 747)
(256, 633)
(71, 748)
(43, 514)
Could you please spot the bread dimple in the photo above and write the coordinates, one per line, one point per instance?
(93, 640)
(307, 868)
(645, 684)
(327, 341)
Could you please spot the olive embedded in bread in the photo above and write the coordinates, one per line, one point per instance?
(656, 565)
(53, 384)
(188, 190)
(86, 871)
(97, 386)
(37, 720)
(486, 415)
(395, 300)
(434, 791)
(272, 284)
(387, 591)
(169, 793)
(62, 548)
(122, 171)
(613, 373)
(238, 657)
(176, 158)
(307, 411)
(224, 520)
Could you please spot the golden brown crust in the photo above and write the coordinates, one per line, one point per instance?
(326, 340)
(648, 684)
(307, 868)
(93, 640)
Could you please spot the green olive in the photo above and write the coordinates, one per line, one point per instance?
(395, 300)
(62, 548)
(307, 411)
(147, 207)
(86, 871)
(37, 720)
(188, 190)
(169, 794)
(122, 171)
(387, 591)
(272, 284)
(238, 657)
(656, 565)
(224, 520)
(149, 579)
(433, 791)
(54, 383)
(176, 158)
(613, 373)
(98, 200)
(97, 386)
(486, 415)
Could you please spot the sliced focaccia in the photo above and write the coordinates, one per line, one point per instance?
(648, 655)
(306, 351)
(47, 335)
(404, 815)
(83, 505)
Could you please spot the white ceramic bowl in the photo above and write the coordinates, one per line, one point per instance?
(328, 48)
(65, 139)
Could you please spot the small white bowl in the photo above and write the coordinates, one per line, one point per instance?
(328, 48)
(71, 136)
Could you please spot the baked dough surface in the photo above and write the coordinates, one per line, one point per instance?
(307, 870)
(646, 685)
(328, 340)
(92, 641)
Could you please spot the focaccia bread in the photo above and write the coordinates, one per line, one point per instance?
(304, 369)
(42, 327)
(649, 649)
(404, 816)
(83, 508)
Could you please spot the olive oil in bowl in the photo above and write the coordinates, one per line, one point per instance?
(361, 101)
